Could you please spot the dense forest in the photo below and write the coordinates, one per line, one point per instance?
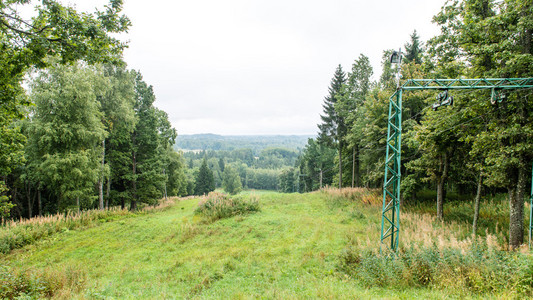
(260, 171)
(472, 147)
(232, 142)
(79, 130)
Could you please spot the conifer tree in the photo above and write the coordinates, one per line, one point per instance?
(350, 107)
(333, 128)
(151, 135)
(205, 182)
(413, 49)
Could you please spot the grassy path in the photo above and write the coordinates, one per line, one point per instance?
(288, 250)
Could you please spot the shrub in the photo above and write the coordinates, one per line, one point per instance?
(218, 206)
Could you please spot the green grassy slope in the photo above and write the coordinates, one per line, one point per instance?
(289, 250)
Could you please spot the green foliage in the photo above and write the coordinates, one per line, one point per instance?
(316, 159)
(62, 31)
(479, 270)
(205, 182)
(287, 181)
(176, 178)
(231, 181)
(262, 179)
(219, 206)
(414, 49)
(66, 131)
(256, 143)
(290, 249)
(28, 284)
(332, 128)
(5, 204)
(16, 235)
(493, 39)
(55, 30)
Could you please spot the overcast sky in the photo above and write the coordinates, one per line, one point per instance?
(259, 67)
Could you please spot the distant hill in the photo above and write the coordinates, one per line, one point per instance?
(257, 143)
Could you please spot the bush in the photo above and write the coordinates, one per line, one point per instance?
(218, 206)
(479, 270)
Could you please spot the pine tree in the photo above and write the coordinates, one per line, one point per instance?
(333, 127)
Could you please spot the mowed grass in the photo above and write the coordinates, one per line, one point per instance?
(288, 250)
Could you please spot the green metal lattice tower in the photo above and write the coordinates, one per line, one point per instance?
(390, 220)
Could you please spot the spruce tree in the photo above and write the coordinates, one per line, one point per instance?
(205, 182)
(414, 50)
(333, 127)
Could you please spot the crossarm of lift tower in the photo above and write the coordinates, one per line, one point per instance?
(461, 84)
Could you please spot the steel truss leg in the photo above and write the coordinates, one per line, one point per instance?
(390, 219)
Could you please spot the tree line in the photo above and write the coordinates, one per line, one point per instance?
(261, 171)
(475, 145)
(78, 129)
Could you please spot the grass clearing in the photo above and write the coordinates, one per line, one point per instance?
(291, 249)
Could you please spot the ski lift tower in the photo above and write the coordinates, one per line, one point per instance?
(390, 220)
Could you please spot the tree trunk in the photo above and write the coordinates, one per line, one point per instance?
(101, 180)
(440, 202)
(357, 168)
(100, 194)
(516, 210)
(353, 167)
(340, 165)
(78, 203)
(30, 203)
(133, 204)
(165, 184)
(39, 202)
(441, 181)
(476, 202)
(108, 189)
(14, 198)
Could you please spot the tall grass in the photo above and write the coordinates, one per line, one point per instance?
(18, 233)
(480, 270)
(37, 284)
(356, 195)
(434, 253)
(218, 205)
